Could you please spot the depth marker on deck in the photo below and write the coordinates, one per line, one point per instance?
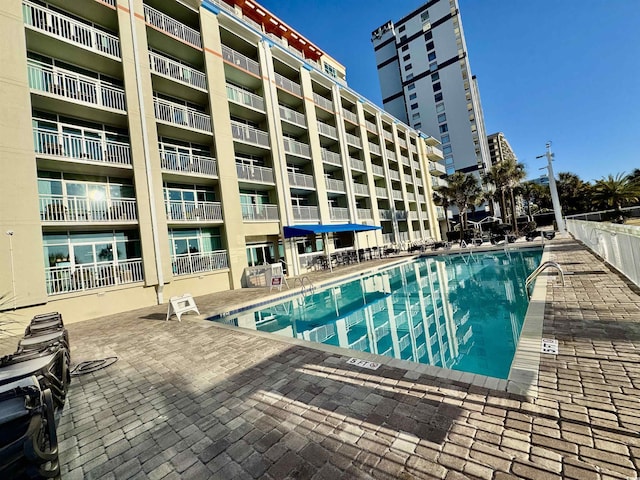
(549, 345)
(363, 363)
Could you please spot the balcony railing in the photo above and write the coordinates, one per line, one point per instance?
(394, 175)
(373, 148)
(186, 211)
(323, 102)
(59, 208)
(360, 189)
(391, 156)
(296, 148)
(242, 97)
(78, 278)
(434, 152)
(260, 213)
(177, 71)
(352, 117)
(292, 116)
(401, 214)
(79, 147)
(327, 130)
(181, 115)
(386, 214)
(372, 127)
(248, 134)
(396, 194)
(239, 60)
(71, 85)
(254, 173)
(387, 135)
(381, 192)
(415, 165)
(301, 180)
(305, 213)
(437, 169)
(411, 196)
(334, 185)
(172, 27)
(412, 148)
(188, 163)
(331, 157)
(377, 170)
(58, 25)
(357, 164)
(405, 160)
(288, 85)
(421, 198)
(339, 213)
(408, 178)
(364, 214)
(188, 263)
(413, 215)
(402, 142)
(353, 140)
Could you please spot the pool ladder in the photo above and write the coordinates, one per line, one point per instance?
(540, 269)
(306, 288)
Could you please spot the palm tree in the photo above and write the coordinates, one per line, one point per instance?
(462, 190)
(505, 176)
(617, 191)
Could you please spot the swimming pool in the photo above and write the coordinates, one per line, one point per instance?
(462, 312)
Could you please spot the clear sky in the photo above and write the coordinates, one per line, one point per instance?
(560, 70)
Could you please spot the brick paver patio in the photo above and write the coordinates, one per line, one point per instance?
(199, 400)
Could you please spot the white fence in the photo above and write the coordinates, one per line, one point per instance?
(619, 245)
(88, 277)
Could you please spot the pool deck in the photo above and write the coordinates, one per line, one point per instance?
(199, 400)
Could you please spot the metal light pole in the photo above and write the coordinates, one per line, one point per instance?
(557, 209)
(13, 275)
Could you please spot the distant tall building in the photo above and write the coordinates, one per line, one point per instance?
(426, 80)
(499, 148)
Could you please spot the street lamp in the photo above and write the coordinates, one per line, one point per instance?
(13, 275)
(557, 209)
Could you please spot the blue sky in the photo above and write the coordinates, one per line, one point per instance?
(566, 71)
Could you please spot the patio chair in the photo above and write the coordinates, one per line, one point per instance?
(44, 340)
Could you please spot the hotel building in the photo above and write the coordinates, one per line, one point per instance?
(152, 148)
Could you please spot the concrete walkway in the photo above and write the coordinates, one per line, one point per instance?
(198, 400)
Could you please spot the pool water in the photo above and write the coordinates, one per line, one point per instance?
(463, 312)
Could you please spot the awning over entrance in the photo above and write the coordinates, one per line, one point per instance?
(304, 230)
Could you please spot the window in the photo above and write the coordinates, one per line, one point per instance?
(402, 28)
(405, 48)
(437, 87)
(409, 76)
(415, 116)
(413, 96)
(408, 66)
(443, 128)
(433, 66)
(442, 117)
(440, 107)
(448, 160)
(430, 46)
(414, 106)
(424, 16)
(435, 77)
(406, 57)
(329, 69)
(411, 86)
(451, 170)
(403, 38)
(444, 138)
(428, 36)
(417, 125)
(446, 149)
(437, 97)
(431, 56)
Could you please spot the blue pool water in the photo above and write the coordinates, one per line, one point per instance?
(463, 312)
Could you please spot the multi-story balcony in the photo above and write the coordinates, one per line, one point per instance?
(176, 71)
(413, 148)
(352, 117)
(391, 155)
(79, 277)
(419, 182)
(415, 165)
(386, 214)
(301, 180)
(353, 140)
(334, 185)
(242, 97)
(402, 142)
(241, 61)
(260, 213)
(294, 147)
(80, 147)
(434, 152)
(401, 214)
(172, 27)
(288, 85)
(413, 215)
(189, 263)
(411, 196)
(189, 211)
(437, 169)
(327, 130)
(254, 173)
(305, 213)
(360, 189)
(372, 127)
(181, 115)
(394, 175)
(364, 214)
(396, 194)
(74, 86)
(72, 208)
(338, 213)
(289, 115)
(387, 135)
(408, 178)
(248, 134)
(67, 29)
(381, 192)
(405, 160)
(357, 164)
(173, 160)
(373, 148)
(330, 157)
(377, 170)
(323, 102)
(421, 198)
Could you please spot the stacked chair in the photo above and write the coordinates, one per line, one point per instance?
(33, 386)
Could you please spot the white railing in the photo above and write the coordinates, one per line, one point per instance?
(339, 213)
(239, 60)
(254, 173)
(171, 26)
(373, 148)
(411, 196)
(177, 71)
(188, 163)
(186, 211)
(401, 214)
(377, 170)
(78, 278)
(357, 164)
(413, 148)
(253, 23)
(292, 116)
(58, 208)
(305, 213)
(353, 140)
(408, 178)
(434, 152)
(381, 192)
(396, 194)
(394, 175)
(352, 117)
(334, 185)
(181, 115)
(188, 263)
(364, 213)
(323, 102)
(360, 189)
(74, 86)
(387, 135)
(604, 214)
(437, 169)
(386, 214)
(402, 142)
(296, 148)
(260, 213)
(225, 6)
(331, 157)
(391, 155)
(249, 134)
(372, 127)
(288, 85)
(327, 130)
(68, 145)
(405, 160)
(421, 198)
(388, 238)
(242, 97)
(618, 245)
(301, 180)
(415, 165)
(58, 25)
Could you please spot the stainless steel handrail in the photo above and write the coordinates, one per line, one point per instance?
(540, 269)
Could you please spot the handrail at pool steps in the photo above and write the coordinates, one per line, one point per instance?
(304, 291)
(540, 269)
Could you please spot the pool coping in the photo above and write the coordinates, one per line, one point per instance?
(523, 374)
